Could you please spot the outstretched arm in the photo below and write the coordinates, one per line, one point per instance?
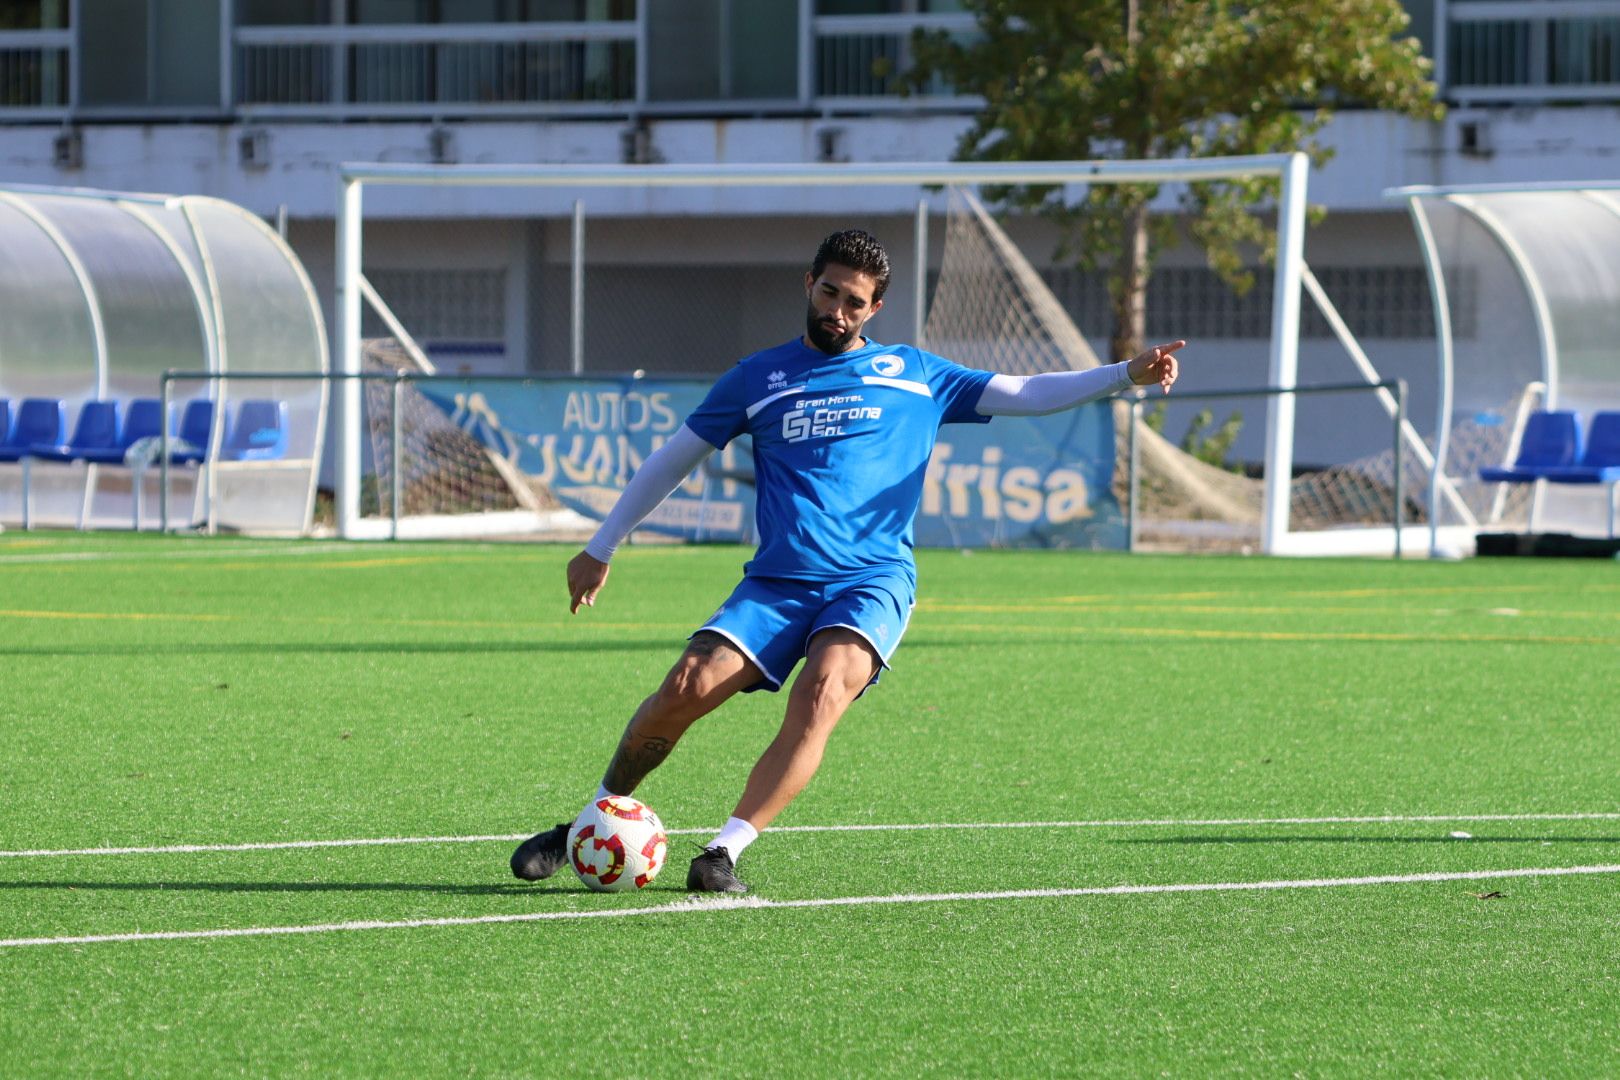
(1037, 395)
(659, 475)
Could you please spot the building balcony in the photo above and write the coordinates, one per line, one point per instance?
(635, 58)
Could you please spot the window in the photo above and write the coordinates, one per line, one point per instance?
(149, 52)
(1377, 302)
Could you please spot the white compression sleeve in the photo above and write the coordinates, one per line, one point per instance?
(1054, 391)
(659, 475)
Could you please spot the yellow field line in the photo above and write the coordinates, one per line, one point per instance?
(339, 620)
(130, 615)
(1233, 609)
(1281, 635)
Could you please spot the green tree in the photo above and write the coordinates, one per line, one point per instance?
(1135, 79)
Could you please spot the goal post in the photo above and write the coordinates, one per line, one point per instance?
(720, 187)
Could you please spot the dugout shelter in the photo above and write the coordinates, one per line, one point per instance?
(101, 294)
(1525, 281)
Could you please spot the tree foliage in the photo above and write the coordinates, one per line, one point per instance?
(1135, 79)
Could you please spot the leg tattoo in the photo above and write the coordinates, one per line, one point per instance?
(633, 760)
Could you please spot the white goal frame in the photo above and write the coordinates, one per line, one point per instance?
(1291, 169)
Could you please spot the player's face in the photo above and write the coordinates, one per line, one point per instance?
(841, 300)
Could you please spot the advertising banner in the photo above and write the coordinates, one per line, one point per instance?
(1043, 481)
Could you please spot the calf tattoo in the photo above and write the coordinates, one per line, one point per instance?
(633, 760)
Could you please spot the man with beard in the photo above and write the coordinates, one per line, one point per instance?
(842, 431)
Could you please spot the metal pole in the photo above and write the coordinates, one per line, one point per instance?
(1130, 489)
(807, 52)
(577, 319)
(399, 482)
(227, 58)
(1400, 487)
(919, 284)
(166, 395)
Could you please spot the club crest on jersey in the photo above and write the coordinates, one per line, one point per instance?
(888, 365)
(776, 380)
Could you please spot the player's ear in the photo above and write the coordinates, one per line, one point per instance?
(877, 306)
(809, 282)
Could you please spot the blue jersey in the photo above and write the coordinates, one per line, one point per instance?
(841, 445)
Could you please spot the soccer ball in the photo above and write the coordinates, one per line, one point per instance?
(617, 844)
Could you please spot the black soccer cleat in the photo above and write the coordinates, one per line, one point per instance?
(542, 854)
(713, 871)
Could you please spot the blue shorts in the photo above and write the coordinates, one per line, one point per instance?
(771, 620)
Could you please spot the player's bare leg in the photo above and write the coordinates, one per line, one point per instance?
(838, 666)
(708, 672)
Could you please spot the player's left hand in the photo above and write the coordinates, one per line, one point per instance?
(1157, 365)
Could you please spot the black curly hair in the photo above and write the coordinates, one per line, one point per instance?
(860, 251)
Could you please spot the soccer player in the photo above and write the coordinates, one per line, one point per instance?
(842, 431)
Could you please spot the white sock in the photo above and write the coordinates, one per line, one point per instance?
(601, 793)
(735, 836)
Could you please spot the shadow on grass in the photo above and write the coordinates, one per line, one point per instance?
(1369, 840)
(672, 643)
(515, 889)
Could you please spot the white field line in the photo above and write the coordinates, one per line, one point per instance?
(1186, 823)
(757, 904)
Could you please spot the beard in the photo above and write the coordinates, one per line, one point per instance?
(824, 337)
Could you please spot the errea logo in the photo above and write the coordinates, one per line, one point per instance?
(888, 365)
(776, 380)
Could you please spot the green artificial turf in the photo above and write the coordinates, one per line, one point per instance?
(1160, 714)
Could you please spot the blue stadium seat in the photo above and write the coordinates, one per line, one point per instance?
(1600, 462)
(1552, 440)
(142, 421)
(96, 430)
(196, 429)
(39, 420)
(5, 419)
(259, 432)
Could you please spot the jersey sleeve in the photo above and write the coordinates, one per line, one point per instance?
(957, 389)
(723, 414)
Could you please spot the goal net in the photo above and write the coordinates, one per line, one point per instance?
(678, 271)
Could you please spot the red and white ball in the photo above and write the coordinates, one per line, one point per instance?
(617, 844)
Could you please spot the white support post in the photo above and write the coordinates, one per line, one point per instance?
(919, 283)
(1442, 332)
(346, 478)
(1284, 367)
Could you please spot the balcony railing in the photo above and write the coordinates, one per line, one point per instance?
(35, 73)
(358, 71)
(860, 59)
(1487, 51)
(1530, 51)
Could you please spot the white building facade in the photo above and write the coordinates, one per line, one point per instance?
(259, 101)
